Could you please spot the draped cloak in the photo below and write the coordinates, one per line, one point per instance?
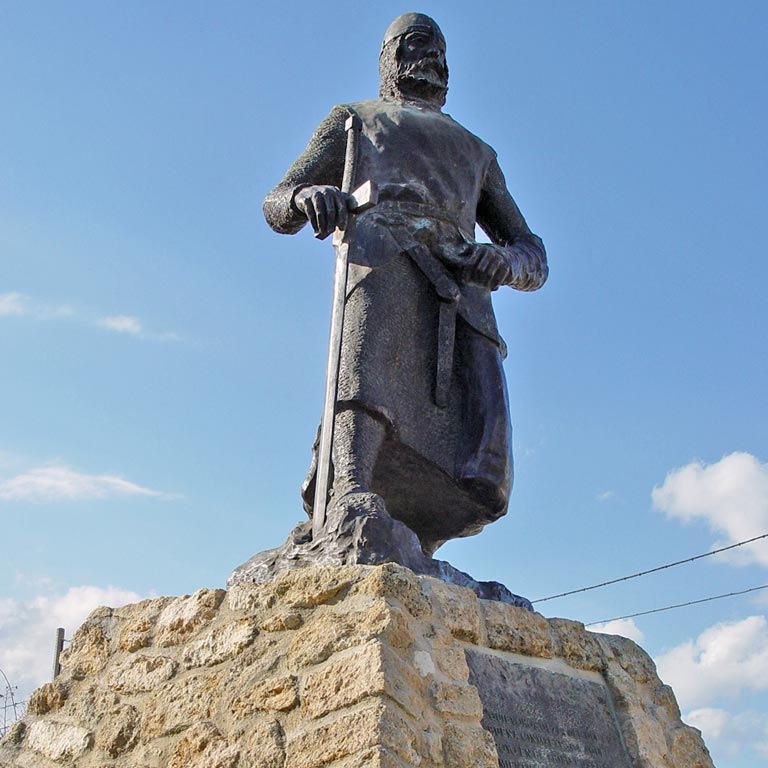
(446, 466)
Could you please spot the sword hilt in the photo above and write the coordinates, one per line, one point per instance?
(353, 126)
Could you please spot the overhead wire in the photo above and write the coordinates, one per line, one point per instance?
(652, 570)
(678, 605)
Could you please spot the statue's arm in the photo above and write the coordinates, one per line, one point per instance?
(321, 164)
(501, 220)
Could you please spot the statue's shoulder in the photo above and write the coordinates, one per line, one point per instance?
(340, 112)
(487, 148)
(363, 108)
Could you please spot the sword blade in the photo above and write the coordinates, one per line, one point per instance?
(331, 385)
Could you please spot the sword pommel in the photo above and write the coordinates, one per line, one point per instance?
(353, 123)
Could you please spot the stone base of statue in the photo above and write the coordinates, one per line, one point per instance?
(349, 667)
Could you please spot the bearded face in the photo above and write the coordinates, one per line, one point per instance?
(413, 66)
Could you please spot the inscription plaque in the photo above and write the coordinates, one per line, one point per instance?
(543, 719)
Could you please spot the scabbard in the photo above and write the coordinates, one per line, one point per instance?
(449, 294)
(446, 336)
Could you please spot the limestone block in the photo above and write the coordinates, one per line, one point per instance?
(575, 645)
(469, 746)
(252, 599)
(138, 622)
(280, 621)
(687, 749)
(89, 650)
(449, 660)
(278, 693)
(220, 643)
(203, 746)
(357, 674)
(310, 587)
(630, 657)
(395, 583)
(328, 632)
(376, 724)
(263, 745)
(59, 741)
(516, 630)
(373, 757)
(454, 698)
(264, 658)
(15, 734)
(459, 609)
(88, 701)
(178, 704)
(185, 616)
(118, 731)
(141, 673)
(137, 634)
(48, 698)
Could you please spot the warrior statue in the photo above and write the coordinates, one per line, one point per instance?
(421, 430)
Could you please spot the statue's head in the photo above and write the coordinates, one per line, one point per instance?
(412, 60)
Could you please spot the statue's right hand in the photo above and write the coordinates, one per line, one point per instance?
(324, 206)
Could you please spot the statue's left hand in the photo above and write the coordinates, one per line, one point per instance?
(488, 266)
(521, 266)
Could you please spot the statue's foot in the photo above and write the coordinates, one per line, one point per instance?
(359, 525)
(353, 504)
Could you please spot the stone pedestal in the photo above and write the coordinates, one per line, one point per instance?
(351, 667)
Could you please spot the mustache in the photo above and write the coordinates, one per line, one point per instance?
(431, 70)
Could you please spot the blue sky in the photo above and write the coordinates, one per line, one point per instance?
(162, 350)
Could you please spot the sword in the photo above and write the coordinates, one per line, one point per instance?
(361, 199)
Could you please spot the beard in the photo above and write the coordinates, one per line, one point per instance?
(427, 79)
(427, 72)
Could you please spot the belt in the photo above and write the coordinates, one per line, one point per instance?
(449, 294)
(423, 210)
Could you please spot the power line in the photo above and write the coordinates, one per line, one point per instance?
(679, 605)
(652, 570)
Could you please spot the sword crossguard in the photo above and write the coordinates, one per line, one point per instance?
(364, 197)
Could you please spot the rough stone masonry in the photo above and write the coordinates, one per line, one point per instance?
(352, 667)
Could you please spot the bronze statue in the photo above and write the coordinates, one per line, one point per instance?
(421, 431)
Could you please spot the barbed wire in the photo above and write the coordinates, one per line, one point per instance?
(678, 605)
(12, 710)
(651, 570)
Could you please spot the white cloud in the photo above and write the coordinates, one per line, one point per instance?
(132, 326)
(23, 306)
(20, 305)
(725, 660)
(13, 304)
(710, 721)
(54, 483)
(731, 496)
(28, 629)
(623, 627)
(122, 324)
(727, 734)
(605, 495)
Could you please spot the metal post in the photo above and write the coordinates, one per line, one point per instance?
(57, 651)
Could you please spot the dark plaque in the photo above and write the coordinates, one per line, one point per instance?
(543, 719)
